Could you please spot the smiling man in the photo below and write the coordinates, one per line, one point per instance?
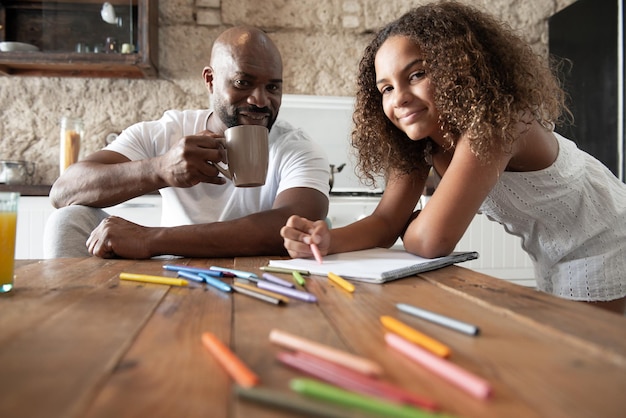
(204, 214)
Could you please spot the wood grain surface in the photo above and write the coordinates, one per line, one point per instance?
(76, 341)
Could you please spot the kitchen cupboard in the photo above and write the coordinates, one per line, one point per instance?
(71, 38)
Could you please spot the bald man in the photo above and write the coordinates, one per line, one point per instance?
(204, 214)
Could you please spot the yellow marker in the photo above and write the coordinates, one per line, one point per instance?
(252, 288)
(171, 281)
(341, 282)
(415, 336)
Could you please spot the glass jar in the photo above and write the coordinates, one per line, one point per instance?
(72, 131)
(110, 45)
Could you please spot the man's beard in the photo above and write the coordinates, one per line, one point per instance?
(231, 119)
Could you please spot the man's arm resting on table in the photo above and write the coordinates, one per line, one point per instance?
(255, 234)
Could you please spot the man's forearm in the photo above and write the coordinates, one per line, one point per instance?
(103, 185)
(257, 234)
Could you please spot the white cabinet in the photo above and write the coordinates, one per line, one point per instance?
(344, 210)
(34, 211)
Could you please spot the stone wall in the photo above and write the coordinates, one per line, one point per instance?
(321, 42)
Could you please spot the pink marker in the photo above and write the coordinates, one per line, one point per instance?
(334, 355)
(463, 379)
(316, 253)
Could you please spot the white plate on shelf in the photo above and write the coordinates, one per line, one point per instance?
(17, 46)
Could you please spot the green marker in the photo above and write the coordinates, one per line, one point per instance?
(273, 269)
(329, 393)
(298, 278)
(298, 404)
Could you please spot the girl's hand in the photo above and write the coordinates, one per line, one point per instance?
(299, 233)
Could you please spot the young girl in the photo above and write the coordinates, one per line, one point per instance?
(448, 87)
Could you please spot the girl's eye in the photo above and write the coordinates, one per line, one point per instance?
(385, 89)
(417, 75)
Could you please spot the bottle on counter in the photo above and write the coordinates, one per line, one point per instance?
(72, 131)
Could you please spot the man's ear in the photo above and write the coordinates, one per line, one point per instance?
(207, 75)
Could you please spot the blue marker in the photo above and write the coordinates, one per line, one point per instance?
(238, 273)
(191, 276)
(216, 283)
(208, 272)
(203, 278)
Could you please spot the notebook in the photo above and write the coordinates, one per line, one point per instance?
(376, 265)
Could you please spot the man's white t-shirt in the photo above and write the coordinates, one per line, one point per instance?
(294, 161)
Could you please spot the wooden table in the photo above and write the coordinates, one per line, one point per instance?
(77, 342)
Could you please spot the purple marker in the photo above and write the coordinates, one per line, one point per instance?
(297, 294)
(277, 280)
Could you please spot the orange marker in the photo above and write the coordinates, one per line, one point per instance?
(415, 336)
(235, 367)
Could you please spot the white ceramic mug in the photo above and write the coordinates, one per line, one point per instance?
(247, 152)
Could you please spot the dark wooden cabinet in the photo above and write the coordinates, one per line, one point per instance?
(71, 37)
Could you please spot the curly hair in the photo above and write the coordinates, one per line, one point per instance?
(486, 80)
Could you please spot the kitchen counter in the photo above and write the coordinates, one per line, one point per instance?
(36, 189)
(27, 189)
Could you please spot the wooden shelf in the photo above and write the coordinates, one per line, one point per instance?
(55, 64)
(56, 34)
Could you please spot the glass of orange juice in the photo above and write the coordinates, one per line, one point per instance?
(8, 227)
